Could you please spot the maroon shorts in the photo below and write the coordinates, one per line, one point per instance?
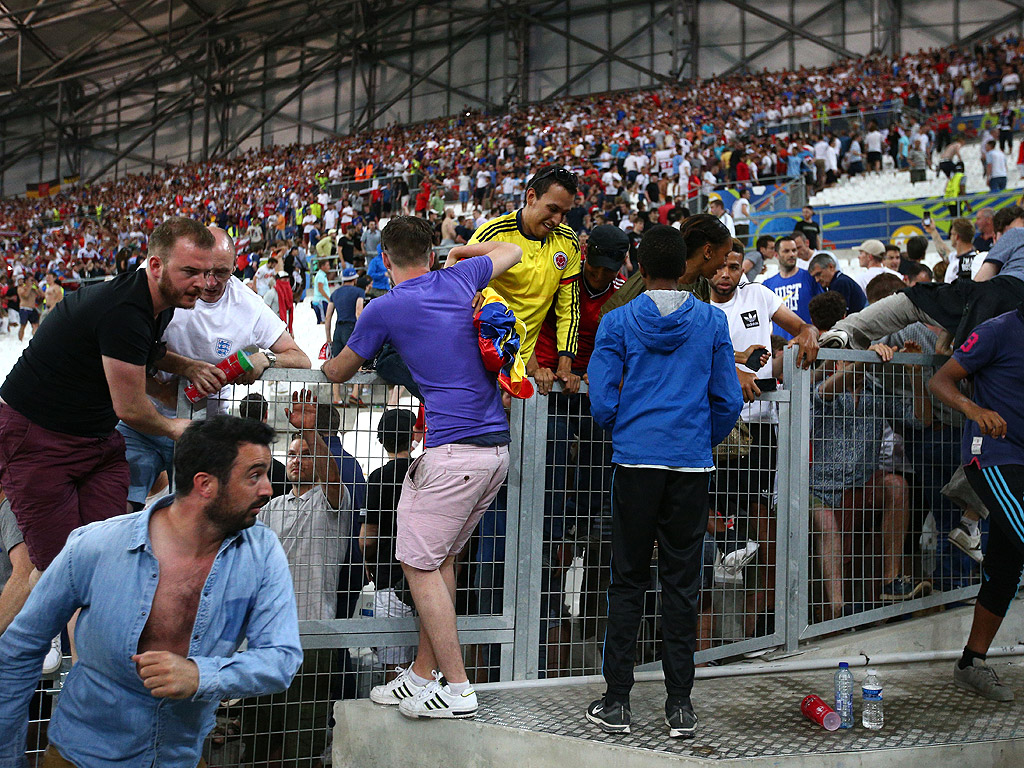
(58, 482)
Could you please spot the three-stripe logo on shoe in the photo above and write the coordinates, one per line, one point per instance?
(402, 692)
(435, 703)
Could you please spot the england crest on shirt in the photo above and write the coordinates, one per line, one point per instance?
(561, 260)
(222, 347)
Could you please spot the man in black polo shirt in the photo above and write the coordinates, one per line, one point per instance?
(62, 463)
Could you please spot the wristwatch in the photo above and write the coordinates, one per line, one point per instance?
(271, 358)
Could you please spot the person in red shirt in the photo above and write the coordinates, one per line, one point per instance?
(579, 484)
(603, 257)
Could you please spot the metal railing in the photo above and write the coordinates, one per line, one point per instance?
(531, 582)
(838, 121)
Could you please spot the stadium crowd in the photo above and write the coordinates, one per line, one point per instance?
(680, 141)
(600, 276)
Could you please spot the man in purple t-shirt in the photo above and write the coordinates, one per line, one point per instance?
(993, 452)
(428, 318)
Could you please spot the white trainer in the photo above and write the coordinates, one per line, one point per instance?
(54, 657)
(437, 700)
(968, 543)
(402, 687)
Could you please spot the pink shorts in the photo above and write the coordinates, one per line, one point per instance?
(445, 492)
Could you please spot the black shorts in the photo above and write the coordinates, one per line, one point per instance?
(342, 331)
(962, 305)
(28, 316)
(874, 157)
(1002, 490)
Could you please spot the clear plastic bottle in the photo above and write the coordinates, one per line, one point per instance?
(844, 695)
(871, 716)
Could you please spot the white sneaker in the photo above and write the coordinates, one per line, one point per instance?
(54, 657)
(834, 339)
(402, 687)
(961, 538)
(436, 699)
(735, 561)
(721, 575)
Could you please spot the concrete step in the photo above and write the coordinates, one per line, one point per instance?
(750, 720)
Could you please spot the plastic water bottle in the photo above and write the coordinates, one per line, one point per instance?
(844, 695)
(871, 716)
(366, 600)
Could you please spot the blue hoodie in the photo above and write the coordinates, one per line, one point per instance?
(680, 395)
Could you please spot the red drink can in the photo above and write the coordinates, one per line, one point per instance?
(233, 366)
(814, 708)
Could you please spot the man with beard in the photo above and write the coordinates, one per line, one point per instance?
(167, 596)
(228, 317)
(748, 482)
(62, 462)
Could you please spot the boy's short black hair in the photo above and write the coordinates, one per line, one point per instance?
(826, 310)
(662, 253)
(253, 406)
(394, 431)
(916, 247)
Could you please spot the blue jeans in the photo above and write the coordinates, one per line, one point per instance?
(997, 184)
(148, 456)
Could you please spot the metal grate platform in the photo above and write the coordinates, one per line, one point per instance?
(759, 716)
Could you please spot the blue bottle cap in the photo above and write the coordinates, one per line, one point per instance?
(843, 665)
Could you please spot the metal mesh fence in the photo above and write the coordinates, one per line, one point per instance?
(738, 581)
(881, 450)
(825, 514)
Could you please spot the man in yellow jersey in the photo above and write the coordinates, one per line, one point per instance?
(549, 271)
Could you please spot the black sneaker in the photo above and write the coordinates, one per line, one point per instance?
(681, 721)
(611, 717)
(905, 588)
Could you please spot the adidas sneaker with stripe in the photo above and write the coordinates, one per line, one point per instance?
(437, 700)
(392, 694)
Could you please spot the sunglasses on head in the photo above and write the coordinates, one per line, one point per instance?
(561, 175)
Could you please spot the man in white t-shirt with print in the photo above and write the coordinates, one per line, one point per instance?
(747, 482)
(227, 318)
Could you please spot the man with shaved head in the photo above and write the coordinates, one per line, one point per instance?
(228, 317)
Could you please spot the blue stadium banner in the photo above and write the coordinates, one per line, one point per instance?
(847, 226)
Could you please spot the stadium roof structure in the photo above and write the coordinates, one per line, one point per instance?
(104, 77)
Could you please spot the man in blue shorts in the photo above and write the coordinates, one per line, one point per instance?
(428, 318)
(993, 452)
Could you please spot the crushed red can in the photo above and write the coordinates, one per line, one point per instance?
(814, 708)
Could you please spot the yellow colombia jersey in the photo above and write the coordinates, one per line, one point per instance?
(549, 271)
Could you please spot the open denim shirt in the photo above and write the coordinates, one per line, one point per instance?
(105, 715)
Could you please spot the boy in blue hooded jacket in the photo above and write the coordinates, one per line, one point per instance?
(663, 382)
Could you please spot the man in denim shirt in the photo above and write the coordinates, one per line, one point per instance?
(167, 596)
